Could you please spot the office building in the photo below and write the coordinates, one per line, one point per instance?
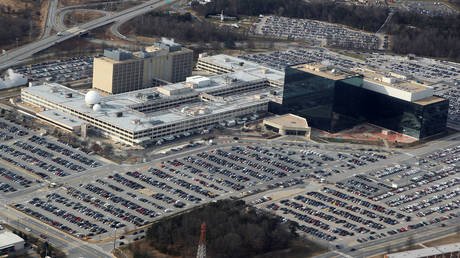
(443, 251)
(121, 71)
(222, 64)
(333, 100)
(152, 115)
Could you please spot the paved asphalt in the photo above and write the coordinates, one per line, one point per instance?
(78, 248)
(14, 57)
(50, 18)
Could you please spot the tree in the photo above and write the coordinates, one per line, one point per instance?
(229, 43)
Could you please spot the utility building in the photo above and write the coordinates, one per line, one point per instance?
(10, 242)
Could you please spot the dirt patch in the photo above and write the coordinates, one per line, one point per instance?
(63, 3)
(454, 238)
(79, 17)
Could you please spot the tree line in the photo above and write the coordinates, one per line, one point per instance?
(425, 35)
(233, 229)
(183, 28)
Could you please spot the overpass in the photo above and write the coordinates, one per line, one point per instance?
(15, 56)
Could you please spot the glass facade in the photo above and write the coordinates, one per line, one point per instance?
(310, 96)
(334, 105)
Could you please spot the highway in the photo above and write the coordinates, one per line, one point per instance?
(14, 57)
(50, 18)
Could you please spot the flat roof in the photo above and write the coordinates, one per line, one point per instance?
(323, 71)
(113, 104)
(8, 238)
(289, 120)
(429, 100)
(113, 61)
(61, 117)
(399, 84)
(234, 63)
(424, 252)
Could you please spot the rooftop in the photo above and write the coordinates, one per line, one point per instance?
(429, 100)
(237, 64)
(115, 108)
(289, 120)
(323, 71)
(393, 82)
(61, 117)
(7, 238)
(424, 252)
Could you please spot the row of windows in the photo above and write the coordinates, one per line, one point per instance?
(201, 122)
(101, 124)
(211, 67)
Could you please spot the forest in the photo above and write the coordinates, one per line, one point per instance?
(426, 36)
(16, 25)
(233, 229)
(182, 28)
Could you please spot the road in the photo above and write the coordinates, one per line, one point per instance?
(50, 18)
(384, 245)
(73, 246)
(13, 57)
(60, 25)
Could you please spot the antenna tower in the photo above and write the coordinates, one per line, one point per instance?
(201, 253)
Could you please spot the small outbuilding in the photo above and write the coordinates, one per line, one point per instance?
(10, 242)
(288, 124)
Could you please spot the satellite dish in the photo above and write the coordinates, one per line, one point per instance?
(97, 108)
(92, 97)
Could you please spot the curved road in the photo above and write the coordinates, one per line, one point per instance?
(59, 22)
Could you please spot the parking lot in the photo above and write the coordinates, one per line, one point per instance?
(390, 200)
(60, 71)
(314, 31)
(280, 59)
(427, 8)
(424, 69)
(46, 158)
(94, 206)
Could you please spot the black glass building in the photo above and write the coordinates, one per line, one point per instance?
(337, 101)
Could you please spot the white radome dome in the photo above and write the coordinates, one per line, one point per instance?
(97, 107)
(92, 97)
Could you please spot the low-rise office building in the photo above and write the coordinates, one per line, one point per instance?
(222, 64)
(150, 115)
(443, 251)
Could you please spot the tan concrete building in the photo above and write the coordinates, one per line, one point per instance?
(121, 71)
(288, 124)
